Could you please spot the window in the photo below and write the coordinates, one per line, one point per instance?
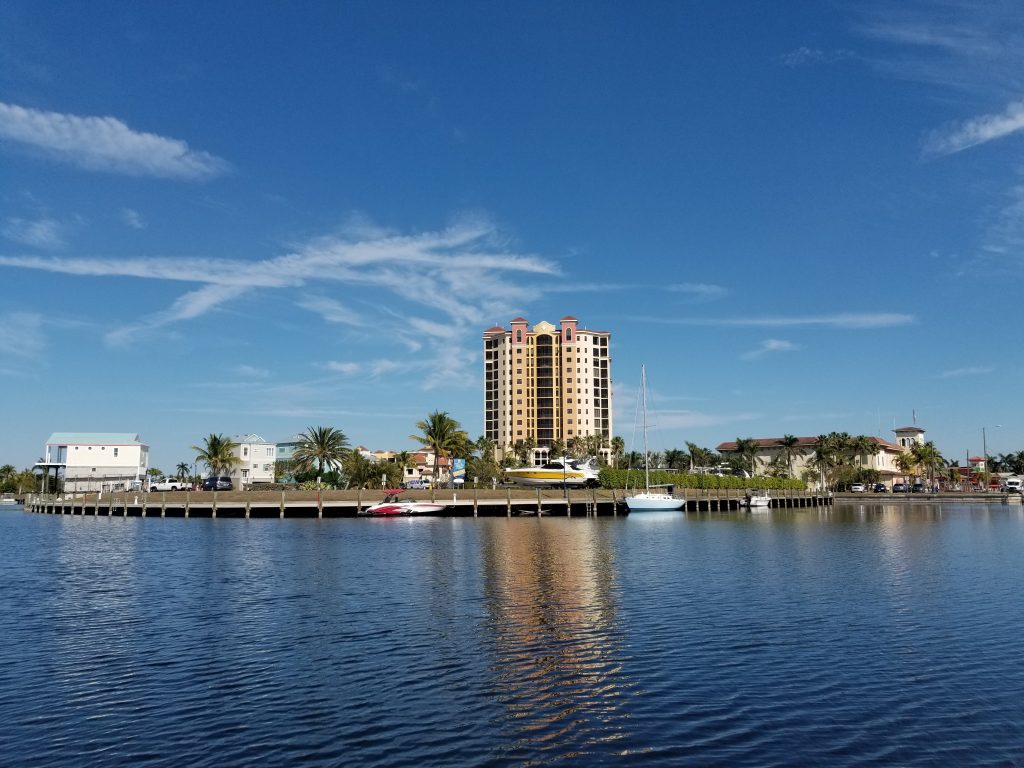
(245, 451)
(245, 473)
(115, 452)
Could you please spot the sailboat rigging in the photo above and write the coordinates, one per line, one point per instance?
(648, 501)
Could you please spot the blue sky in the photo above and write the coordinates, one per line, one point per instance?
(257, 217)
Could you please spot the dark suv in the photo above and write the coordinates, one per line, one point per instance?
(900, 488)
(217, 484)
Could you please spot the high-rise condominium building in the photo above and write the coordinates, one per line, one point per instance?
(547, 383)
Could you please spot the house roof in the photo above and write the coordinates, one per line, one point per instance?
(495, 329)
(569, 318)
(909, 429)
(94, 438)
(250, 438)
(519, 320)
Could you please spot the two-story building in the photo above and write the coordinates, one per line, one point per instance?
(94, 461)
(256, 461)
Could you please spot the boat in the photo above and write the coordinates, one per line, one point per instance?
(756, 499)
(558, 472)
(394, 505)
(8, 500)
(649, 500)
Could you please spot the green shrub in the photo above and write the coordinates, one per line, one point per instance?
(633, 478)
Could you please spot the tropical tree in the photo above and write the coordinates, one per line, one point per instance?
(182, 470)
(217, 453)
(633, 459)
(701, 457)
(443, 436)
(674, 458)
(927, 457)
(746, 448)
(360, 472)
(906, 462)
(523, 450)
(618, 447)
(557, 449)
(320, 448)
(788, 449)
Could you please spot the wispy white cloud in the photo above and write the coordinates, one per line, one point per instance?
(769, 346)
(428, 292)
(850, 320)
(974, 370)
(331, 310)
(105, 144)
(21, 335)
(703, 291)
(186, 307)
(39, 233)
(805, 57)
(251, 371)
(976, 131)
(132, 218)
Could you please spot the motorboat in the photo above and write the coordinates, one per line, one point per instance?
(558, 472)
(393, 505)
(648, 500)
(757, 499)
(8, 500)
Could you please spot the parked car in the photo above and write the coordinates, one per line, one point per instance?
(168, 484)
(858, 488)
(900, 488)
(221, 483)
(1013, 485)
(917, 488)
(880, 488)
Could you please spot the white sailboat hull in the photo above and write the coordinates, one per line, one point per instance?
(653, 502)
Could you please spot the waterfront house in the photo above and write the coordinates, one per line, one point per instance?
(94, 461)
(257, 458)
(770, 451)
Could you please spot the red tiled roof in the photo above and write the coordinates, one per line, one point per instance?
(495, 329)
(569, 318)
(519, 320)
(914, 428)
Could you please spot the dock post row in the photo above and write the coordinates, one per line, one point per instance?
(328, 504)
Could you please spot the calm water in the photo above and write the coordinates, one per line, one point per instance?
(862, 635)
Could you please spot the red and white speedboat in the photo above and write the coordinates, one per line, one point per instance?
(393, 505)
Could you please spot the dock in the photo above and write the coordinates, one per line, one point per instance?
(502, 502)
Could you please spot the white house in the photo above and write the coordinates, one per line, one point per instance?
(95, 461)
(256, 464)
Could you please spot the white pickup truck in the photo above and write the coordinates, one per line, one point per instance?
(168, 484)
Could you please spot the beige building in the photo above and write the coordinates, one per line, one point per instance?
(547, 383)
(769, 449)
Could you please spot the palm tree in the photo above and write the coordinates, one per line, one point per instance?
(319, 448)
(442, 435)
(618, 446)
(674, 458)
(182, 470)
(928, 458)
(217, 453)
(746, 447)
(700, 457)
(788, 449)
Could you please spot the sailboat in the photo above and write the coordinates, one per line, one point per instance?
(647, 500)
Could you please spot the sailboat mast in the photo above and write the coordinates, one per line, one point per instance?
(643, 390)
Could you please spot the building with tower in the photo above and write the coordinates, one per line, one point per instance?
(546, 385)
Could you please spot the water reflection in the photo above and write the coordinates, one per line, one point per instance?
(552, 591)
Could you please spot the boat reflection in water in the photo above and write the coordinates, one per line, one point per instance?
(551, 590)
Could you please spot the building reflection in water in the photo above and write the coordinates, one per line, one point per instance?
(551, 590)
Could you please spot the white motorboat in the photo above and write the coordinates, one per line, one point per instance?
(649, 500)
(757, 499)
(8, 500)
(558, 472)
(394, 505)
